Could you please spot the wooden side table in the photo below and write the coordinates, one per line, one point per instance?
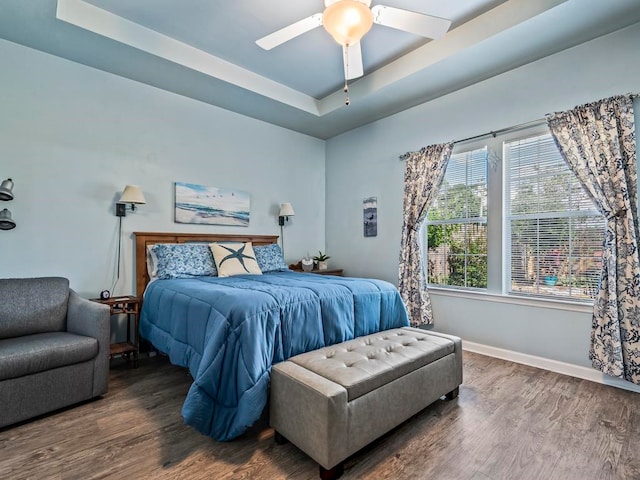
(130, 306)
(329, 271)
(297, 267)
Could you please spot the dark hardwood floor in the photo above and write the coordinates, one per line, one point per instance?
(509, 422)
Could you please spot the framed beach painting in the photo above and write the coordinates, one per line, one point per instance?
(211, 205)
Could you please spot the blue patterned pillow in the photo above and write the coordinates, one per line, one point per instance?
(270, 258)
(183, 260)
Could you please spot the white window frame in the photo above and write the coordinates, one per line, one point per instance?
(498, 238)
(482, 220)
(508, 218)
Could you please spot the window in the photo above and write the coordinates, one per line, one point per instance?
(541, 235)
(456, 226)
(554, 232)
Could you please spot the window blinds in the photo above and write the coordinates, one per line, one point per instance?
(555, 232)
(456, 224)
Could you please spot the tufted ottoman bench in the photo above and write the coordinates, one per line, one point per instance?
(333, 401)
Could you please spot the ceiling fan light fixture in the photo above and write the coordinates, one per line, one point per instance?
(347, 21)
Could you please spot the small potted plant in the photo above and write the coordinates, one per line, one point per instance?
(321, 260)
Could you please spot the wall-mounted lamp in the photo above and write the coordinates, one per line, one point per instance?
(6, 193)
(286, 211)
(130, 195)
(6, 222)
(6, 190)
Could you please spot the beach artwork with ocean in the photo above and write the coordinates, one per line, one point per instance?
(211, 205)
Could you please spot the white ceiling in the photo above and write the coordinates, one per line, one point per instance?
(205, 49)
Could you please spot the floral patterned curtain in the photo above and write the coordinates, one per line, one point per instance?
(598, 142)
(424, 171)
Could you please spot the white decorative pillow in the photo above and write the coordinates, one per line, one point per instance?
(235, 259)
(152, 262)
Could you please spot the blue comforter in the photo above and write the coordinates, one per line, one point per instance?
(229, 331)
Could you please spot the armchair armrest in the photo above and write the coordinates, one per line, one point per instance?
(92, 319)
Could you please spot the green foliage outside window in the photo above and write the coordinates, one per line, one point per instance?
(469, 263)
(457, 250)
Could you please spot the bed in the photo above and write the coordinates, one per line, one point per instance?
(229, 331)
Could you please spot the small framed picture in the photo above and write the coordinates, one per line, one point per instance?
(370, 212)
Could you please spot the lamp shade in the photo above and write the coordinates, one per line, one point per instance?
(6, 222)
(132, 194)
(286, 210)
(347, 21)
(6, 190)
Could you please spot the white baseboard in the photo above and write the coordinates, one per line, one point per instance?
(552, 365)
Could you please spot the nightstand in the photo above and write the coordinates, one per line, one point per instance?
(297, 267)
(338, 272)
(130, 306)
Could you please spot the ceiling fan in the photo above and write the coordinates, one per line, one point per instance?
(347, 21)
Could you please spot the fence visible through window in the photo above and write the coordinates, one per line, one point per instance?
(554, 231)
(456, 226)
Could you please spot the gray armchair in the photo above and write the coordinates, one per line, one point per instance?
(54, 347)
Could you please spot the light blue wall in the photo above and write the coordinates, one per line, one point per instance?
(364, 162)
(72, 137)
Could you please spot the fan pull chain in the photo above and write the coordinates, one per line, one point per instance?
(346, 76)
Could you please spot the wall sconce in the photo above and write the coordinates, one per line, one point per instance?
(6, 193)
(286, 211)
(6, 190)
(130, 195)
(6, 222)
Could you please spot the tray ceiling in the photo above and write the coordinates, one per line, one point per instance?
(206, 50)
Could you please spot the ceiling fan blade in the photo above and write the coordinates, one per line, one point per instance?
(292, 31)
(418, 23)
(352, 56)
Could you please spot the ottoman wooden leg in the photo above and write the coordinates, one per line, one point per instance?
(333, 473)
(452, 394)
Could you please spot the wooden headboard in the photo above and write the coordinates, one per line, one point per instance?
(144, 239)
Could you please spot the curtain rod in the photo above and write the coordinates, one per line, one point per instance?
(520, 126)
(494, 133)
